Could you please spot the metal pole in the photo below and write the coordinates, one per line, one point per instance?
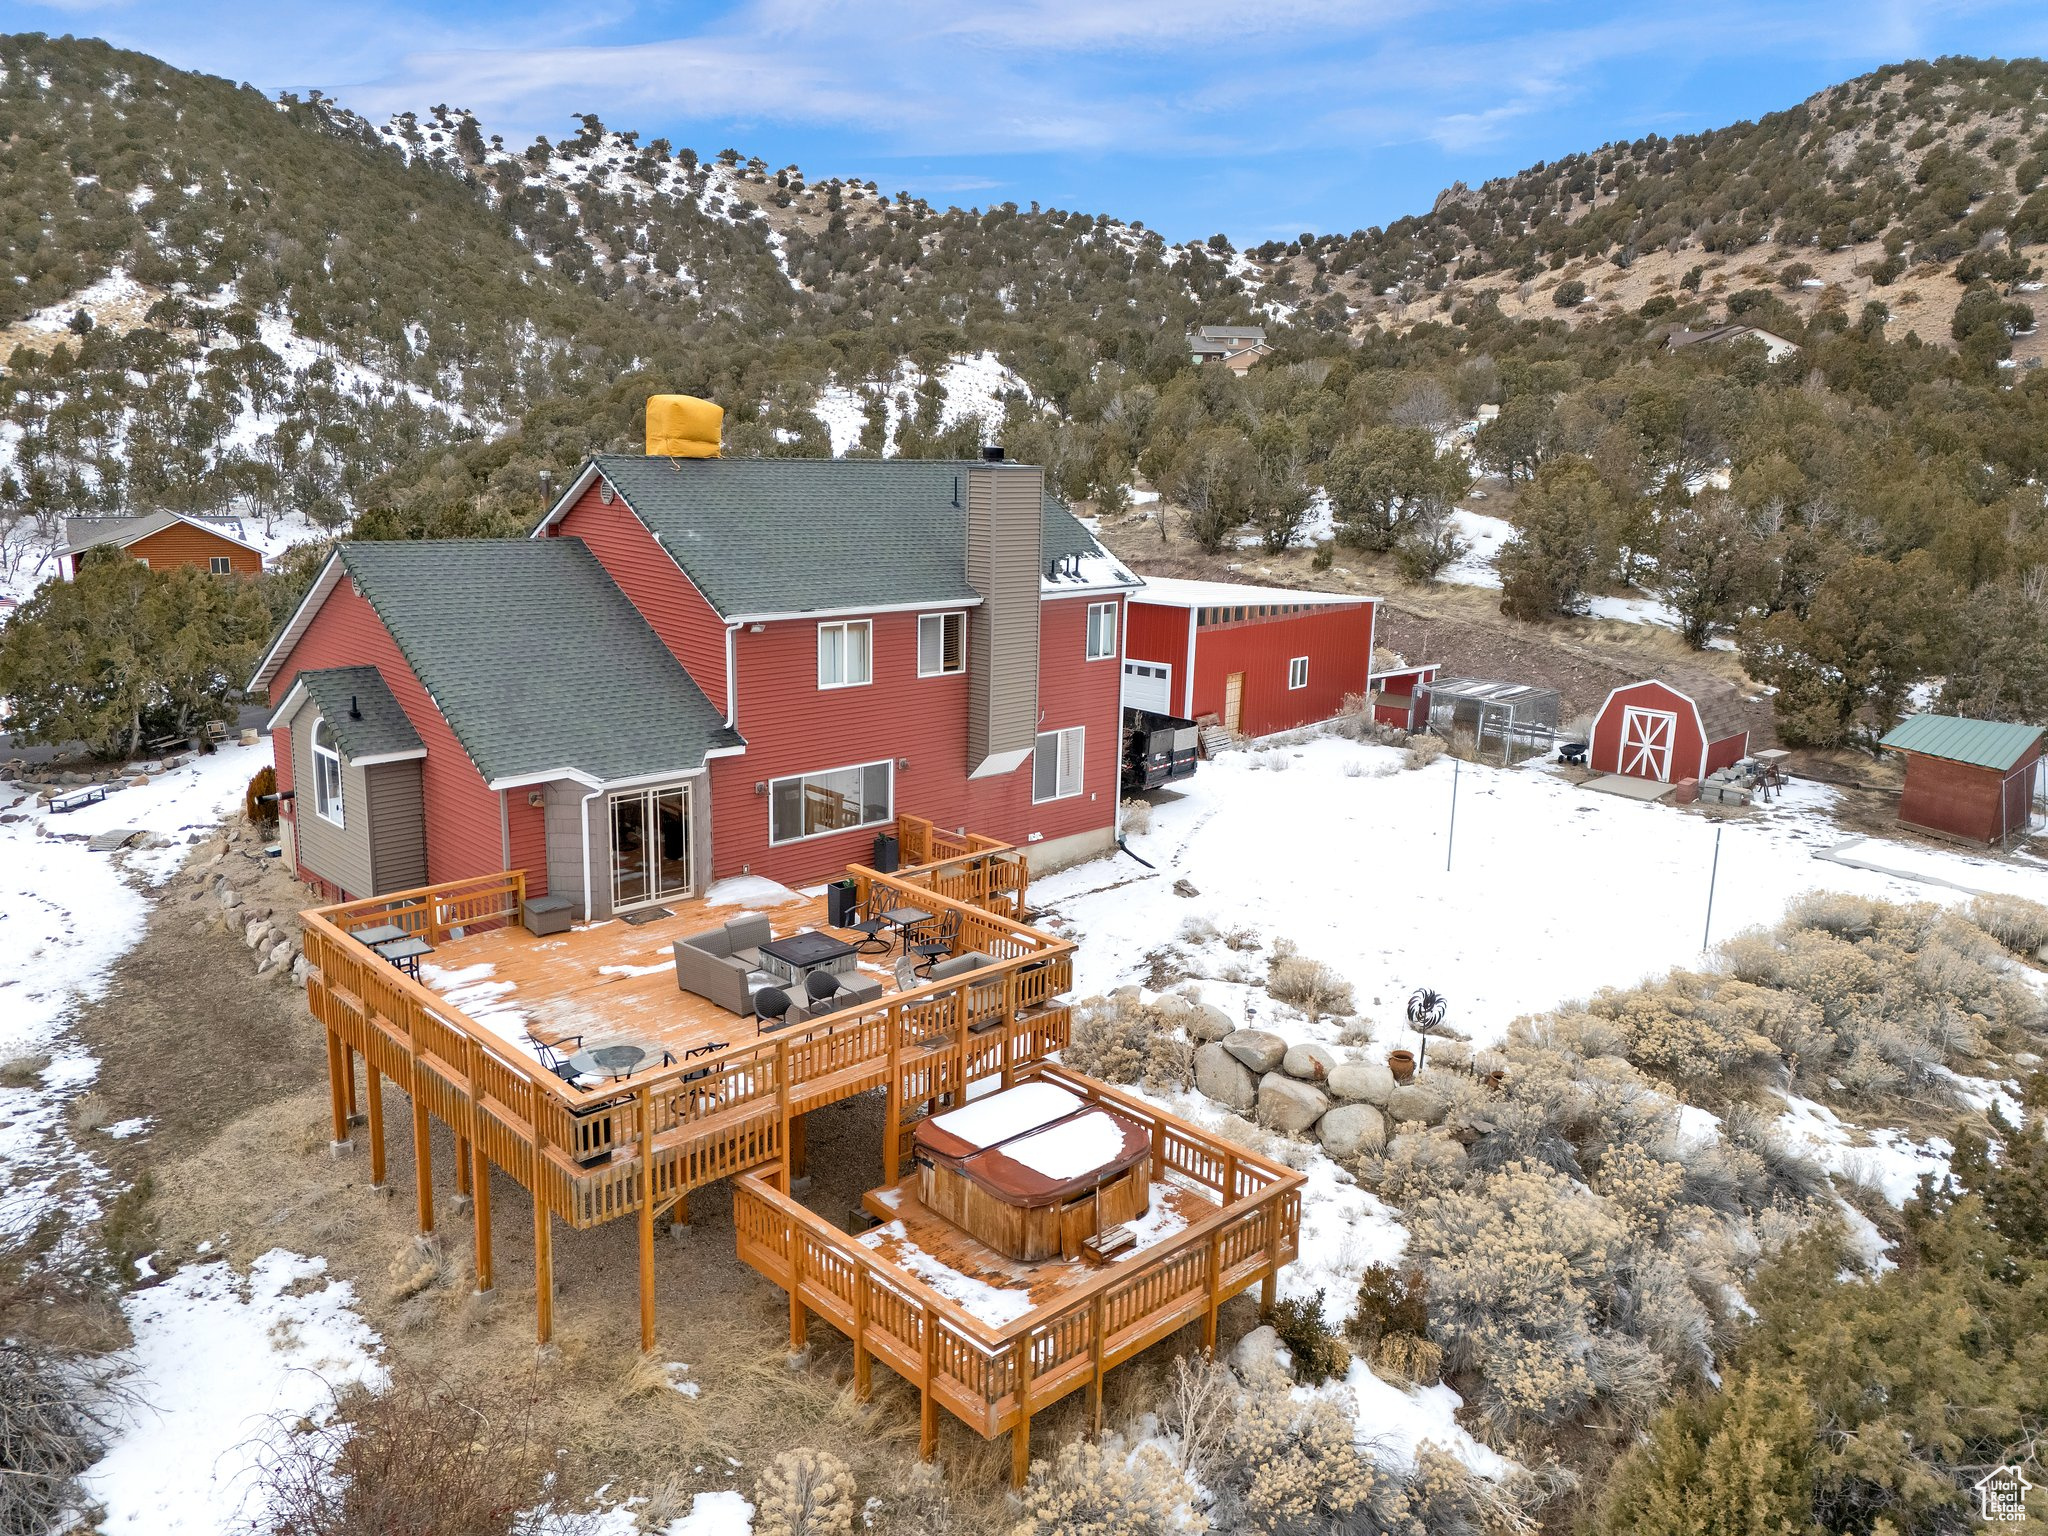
(1713, 876)
(1452, 838)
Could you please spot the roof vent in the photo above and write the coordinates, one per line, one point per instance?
(992, 453)
(353, 712)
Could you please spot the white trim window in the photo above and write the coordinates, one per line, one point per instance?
(1056, 764)
(220, 565)
(941, 644)
(326, 775)
(1101, 631)
(846, 654)
(1297, 672)
(818, 804)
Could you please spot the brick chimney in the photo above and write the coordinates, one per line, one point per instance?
(1005, 538)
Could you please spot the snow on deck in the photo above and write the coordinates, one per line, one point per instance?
(1012, 1112)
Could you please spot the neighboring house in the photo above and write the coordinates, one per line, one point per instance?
(1260, 659)
(1974, 779)
(1650, 730)
(707, 667)
(1775, 346)
(1236, 347)
(161, 540)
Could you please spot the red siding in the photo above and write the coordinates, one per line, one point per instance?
(1725, 753)
(1963, 801)
(793, 726)
(1159, 633)
(463, 830)
(1336, 640)
(667, 599)
(1688, 740)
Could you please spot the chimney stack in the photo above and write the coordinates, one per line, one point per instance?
(1005, 539)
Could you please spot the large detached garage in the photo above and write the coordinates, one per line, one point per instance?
(1259, 659)
(1974, 779)
(1650, 730)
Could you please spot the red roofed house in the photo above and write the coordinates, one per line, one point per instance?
(1650, 730)
(702, 667)
(1260, 659)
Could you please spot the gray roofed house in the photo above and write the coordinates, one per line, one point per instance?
(365, 719)
(536, 659)
(1236, 346)
(83, 533)
(766, 537)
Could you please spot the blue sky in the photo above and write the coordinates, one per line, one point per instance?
(1259, 118)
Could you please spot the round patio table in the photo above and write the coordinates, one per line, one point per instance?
(613, 1061)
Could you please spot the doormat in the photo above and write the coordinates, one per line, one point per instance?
(646, 915)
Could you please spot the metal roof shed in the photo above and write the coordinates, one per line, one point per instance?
(1973, 779)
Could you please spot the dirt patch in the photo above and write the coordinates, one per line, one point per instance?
(232, 1071)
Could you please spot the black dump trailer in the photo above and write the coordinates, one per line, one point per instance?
(1157, 749)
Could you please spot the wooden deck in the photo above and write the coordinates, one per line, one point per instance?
(641, 1145)
(992, 1341)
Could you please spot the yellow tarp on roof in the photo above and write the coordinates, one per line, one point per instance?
(683, 427)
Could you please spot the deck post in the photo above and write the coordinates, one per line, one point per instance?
(1009, 1027)
(373, 1096)
(1097, 1321)
(928, 1402)
(798, 1330)
(646, 1219)
(336, 1094)
(799, 1148)
(422, 1155)
(481, 1178)
(543, 1227)
(1215, 1286)
(893, 1119)
(863, 1362)
(782, 1104)
(461, 1169)
(1020, 1432)
(348, 1077)
(1269, 1288)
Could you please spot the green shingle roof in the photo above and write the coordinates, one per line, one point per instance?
(377, 728)
(762, 536)
(535, 658)
(1984, 743)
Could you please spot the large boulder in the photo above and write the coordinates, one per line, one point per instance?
(1222, 1077)
(1287, 1104)
(1350, 1129)
(1310, 1063)
(1259, 1049)
(1208, 1022)
(1417, 1101)
(1361, 1082)
(1261, 1347)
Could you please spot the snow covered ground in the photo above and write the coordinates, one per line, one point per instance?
(974, 385)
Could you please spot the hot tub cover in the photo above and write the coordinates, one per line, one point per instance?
(1067, 1158)
(993, 1120)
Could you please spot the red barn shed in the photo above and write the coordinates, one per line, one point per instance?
(1650, 730)
(1260, 659)
(1976, 779)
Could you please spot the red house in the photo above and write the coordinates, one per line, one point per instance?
(702, 667)
(1650, 730)
(1260, 659)
(162, 540)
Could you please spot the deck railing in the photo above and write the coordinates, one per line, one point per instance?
(995, 1378)
(968, 867)
(596, 1155)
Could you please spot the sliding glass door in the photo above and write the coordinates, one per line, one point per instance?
(650, 845)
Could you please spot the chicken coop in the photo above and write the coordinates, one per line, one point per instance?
(1505, 722)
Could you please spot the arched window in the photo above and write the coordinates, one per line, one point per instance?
(326, 774)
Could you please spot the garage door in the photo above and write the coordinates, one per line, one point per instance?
(1148, 685)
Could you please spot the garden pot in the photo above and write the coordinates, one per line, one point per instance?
(1401, 1064)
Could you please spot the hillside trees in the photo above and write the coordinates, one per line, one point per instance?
(1712, 568)
(1561, 544)
(124, 652)
(1392, 480)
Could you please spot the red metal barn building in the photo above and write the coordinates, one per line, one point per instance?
(1650, 730)
(702, 667)
(1260, 659)
(1974, 779)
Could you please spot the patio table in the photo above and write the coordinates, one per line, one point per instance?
(613, 1061)
(383, 933)
(405, 954)
(906, 921)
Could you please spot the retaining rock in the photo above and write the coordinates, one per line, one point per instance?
(1261, 1347)
(1417, 1101)
(1361, 1082)
(1286, 1104)
(1350, 1129)
(1258, 1049)
(1222, 1077)
(1208, 1022)
(1310, 1063)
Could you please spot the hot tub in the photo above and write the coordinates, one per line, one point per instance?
(1034, 1172)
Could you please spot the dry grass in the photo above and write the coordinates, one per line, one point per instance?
(1310, 985)
(1423, 750)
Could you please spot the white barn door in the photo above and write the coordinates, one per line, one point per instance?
(1148, 685)
(1647, 736)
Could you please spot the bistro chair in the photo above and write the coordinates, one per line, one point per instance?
(819, 985)
(554, 1058)
(771, 1008)
(931, 951)
(873, 930)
